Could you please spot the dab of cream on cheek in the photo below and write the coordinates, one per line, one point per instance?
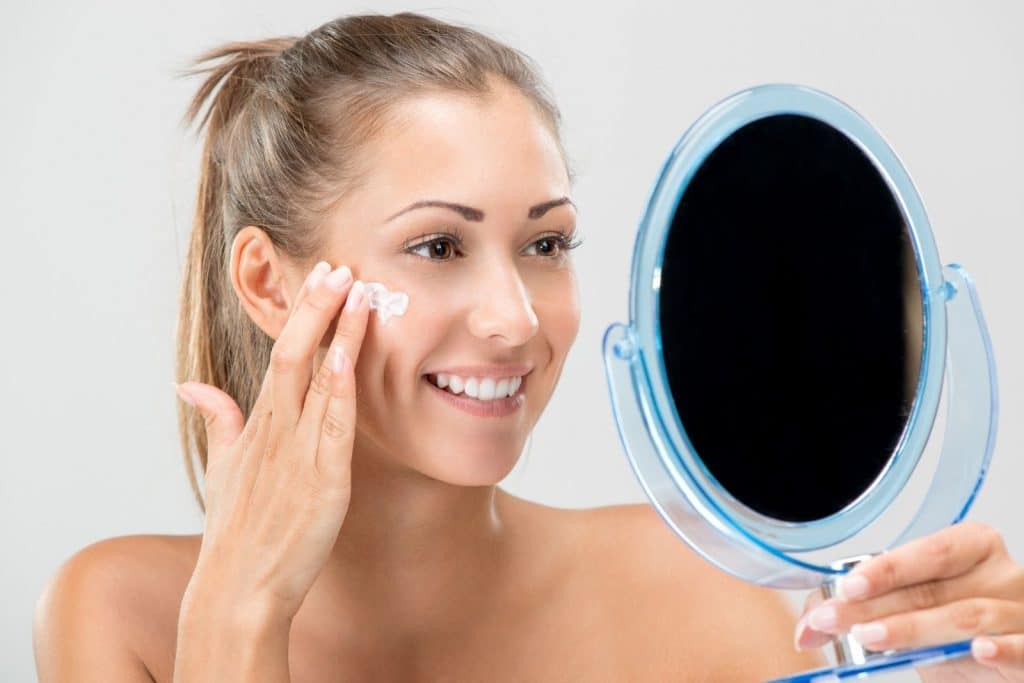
(386, 302)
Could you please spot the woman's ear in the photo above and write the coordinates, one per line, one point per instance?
(263, 285)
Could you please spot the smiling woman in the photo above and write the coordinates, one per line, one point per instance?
(354, 528)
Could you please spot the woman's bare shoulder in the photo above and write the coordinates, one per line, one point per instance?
(112, 606)
(681, 611)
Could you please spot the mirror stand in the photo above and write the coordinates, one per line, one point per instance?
(967, 446)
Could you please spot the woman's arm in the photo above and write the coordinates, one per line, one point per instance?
(221, 638)
(79, 630)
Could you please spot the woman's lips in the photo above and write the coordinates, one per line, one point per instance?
(499, 407)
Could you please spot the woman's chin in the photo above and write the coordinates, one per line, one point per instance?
(469, 468)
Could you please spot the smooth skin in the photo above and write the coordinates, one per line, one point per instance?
(380, 548)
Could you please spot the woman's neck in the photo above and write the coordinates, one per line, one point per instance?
(414, 555)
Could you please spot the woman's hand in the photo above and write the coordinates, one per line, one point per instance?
(277, 490)
(955, 584)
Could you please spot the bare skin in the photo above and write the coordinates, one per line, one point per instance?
(606, 594)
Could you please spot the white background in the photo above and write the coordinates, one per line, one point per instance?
(98, 184)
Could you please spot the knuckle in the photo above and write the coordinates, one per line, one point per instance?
(344, 336)
(335, 427)
(321, 382)
(940, 551)
(252, 428)
(994, 540)
(908, 630)
(968, 615)
(282, 360)
(320, 301)
(887, 572)
(924, 595)
(988, 535)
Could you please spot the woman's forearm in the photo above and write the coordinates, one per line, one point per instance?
(222, 641)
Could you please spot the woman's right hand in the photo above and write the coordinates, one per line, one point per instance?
(278, 487)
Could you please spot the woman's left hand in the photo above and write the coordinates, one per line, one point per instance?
(956, 584)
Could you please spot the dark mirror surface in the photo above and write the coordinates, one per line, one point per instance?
(791, 318)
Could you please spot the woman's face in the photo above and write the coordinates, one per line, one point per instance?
(492, 291)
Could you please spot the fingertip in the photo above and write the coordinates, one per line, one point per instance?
(185, 393)
(356, 299)
(853, 586)
(798, 634)
(806, 638)
(984, 649)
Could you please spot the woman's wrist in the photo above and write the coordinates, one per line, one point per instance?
(228, 639)
(210, 597)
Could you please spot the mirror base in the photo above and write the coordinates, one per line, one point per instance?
(883, 663)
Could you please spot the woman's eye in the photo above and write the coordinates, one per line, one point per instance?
(549, 246)
(445, 248)
(440, 249)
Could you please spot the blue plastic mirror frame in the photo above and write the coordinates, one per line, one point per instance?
(723, 530)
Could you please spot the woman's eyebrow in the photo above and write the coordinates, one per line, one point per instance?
(471, 214)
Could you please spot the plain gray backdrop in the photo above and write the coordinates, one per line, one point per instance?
(99, 186)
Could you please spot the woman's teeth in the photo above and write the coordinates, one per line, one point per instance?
(481, 388)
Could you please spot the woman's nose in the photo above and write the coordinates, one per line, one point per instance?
(503, 308)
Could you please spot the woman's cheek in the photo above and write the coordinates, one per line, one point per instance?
(557, 305)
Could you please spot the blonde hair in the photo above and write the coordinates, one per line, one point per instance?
(282, 134)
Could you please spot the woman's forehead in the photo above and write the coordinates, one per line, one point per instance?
(437, 128)
(451, 147)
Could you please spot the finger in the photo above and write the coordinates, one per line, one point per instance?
(221, 415)
(949, 553)
(291, 359)
(805, 637)
(954, 621)
(983, 581)
(338, 417)
(1005, 653)
(262, 402)
(813, 599)
(348, 336)
(257, 426)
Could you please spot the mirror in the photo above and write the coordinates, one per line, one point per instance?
(791, 334)
(790, 316)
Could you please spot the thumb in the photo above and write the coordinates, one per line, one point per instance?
(223, 417)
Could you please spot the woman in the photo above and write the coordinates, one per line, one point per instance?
(426, 157)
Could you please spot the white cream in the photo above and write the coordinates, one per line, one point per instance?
(385, 302)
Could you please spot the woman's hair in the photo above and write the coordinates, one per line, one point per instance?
(282, 135)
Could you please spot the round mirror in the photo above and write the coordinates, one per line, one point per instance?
(791, 319)
(791, 332)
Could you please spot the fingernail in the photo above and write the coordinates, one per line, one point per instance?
(852, 587)
(801, 626)
(338, 359)
(984, 648)
(317, 274)
(183, 394)
(339, 278)
(865, 634)
(355, 296)
(823, 618)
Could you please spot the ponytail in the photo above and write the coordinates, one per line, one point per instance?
(209, 310)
